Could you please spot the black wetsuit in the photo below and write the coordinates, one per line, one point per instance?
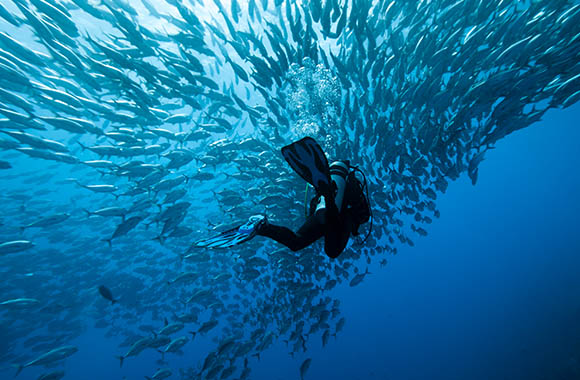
(335, 226)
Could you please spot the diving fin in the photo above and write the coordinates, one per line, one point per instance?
(308, 160)
(234, 236)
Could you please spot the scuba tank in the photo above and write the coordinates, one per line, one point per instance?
(338, 173)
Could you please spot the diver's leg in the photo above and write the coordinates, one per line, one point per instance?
(310, 231)
(282, 235)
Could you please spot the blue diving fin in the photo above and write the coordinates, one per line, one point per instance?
(234, 236)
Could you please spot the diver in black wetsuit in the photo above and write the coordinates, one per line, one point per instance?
(336, 225)
(338, 209)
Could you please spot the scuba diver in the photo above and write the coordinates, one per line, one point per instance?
(336, 212)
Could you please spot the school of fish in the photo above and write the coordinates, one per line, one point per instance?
(131, 128)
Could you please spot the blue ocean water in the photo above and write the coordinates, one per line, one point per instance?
(491, 293)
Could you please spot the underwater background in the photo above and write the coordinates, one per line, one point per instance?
(133, 128)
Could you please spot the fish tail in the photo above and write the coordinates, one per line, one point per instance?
(88, 212)
(192, 334)
(109, 241)
(114, 302)
(74, 180)
(83, 147)
(20, 368)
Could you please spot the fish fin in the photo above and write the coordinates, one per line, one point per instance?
(303, 343)
(121, 358)
(20, 368)
(114, 302)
